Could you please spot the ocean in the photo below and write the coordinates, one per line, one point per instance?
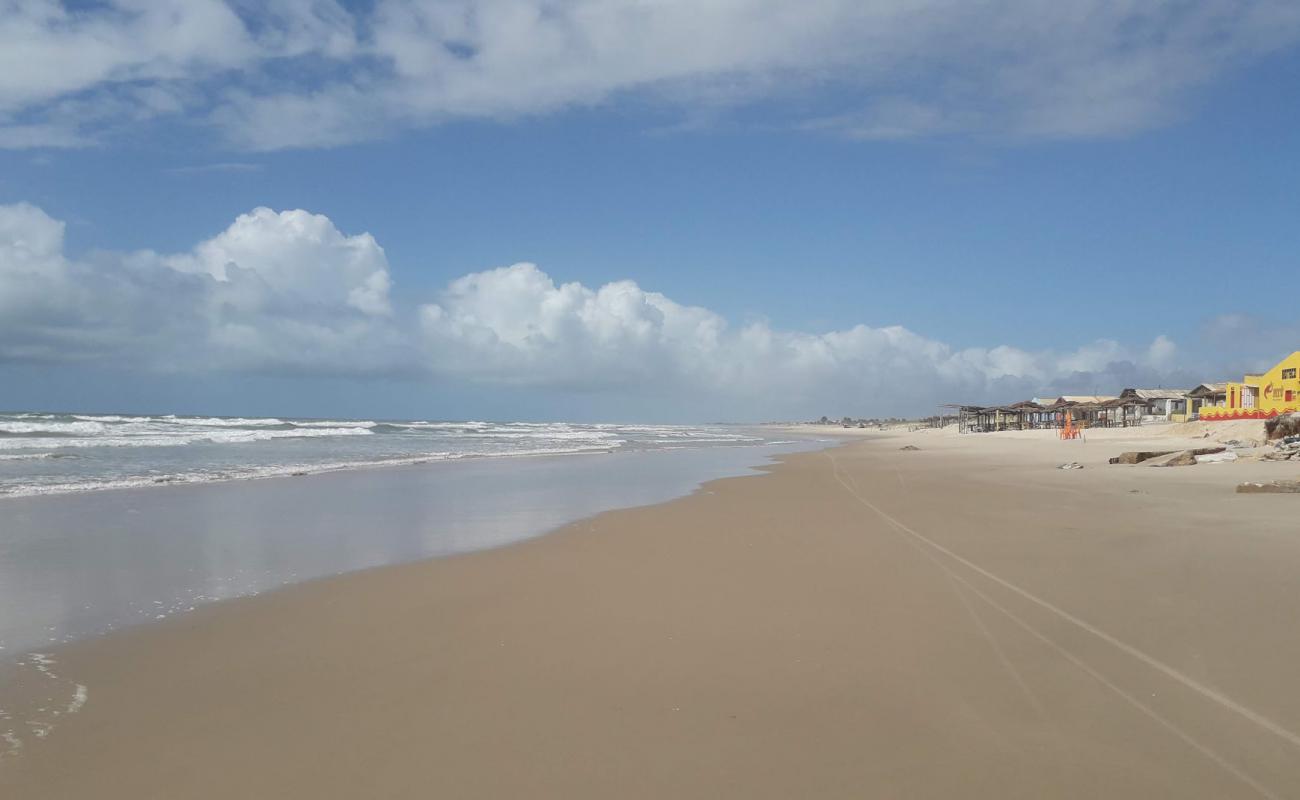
(45, 453)
(114, 520)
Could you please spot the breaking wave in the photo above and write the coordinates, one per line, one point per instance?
(62, 453)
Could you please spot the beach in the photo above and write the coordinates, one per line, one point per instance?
(960, 620)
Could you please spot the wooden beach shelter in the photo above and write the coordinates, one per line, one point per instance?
(1020, 416)
(1158, 403)
(1207, 396)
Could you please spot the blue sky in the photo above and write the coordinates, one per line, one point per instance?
(1067, 218)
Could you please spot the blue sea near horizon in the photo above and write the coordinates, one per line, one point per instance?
(143, 518)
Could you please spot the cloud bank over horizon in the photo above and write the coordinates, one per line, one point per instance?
(316, 73)
(288, 293)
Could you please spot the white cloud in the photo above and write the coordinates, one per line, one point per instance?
(515, 326)
(289, 292)
(297, 254)
(274, 291)
(31, 242)
(65, 70)
(297, 73)
(216, 167)
(49, 50)
(30, 137)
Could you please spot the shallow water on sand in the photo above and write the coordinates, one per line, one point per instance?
(83, 564)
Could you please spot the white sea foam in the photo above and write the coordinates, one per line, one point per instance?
(79, 697)
(222, 422)
(284, 470)
(335, 423)
(39, 720)
(179, 438)
(78, 428)
(62, 453)
(14, 744)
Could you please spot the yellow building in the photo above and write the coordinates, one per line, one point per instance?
(1261, 396)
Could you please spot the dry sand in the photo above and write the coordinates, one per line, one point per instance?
(960, 621)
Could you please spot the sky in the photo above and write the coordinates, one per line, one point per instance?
(640, 210)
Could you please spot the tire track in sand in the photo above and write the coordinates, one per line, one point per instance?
(929, 548)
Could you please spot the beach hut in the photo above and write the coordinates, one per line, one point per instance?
(1206, 396)
(1096, 411)
(1158, 403)
(1029, 414)
(1082, 408)
(987, 419)
(1122, 412)
(967, 417)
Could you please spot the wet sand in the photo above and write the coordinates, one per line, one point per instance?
(82, 564)
(960, 621)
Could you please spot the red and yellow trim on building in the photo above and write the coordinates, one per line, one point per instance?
(1261, 396)
(1222, 414)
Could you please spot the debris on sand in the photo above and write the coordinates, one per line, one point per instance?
(1186, 458)
(1216, 458)
(1138, 456)
(1071, 465)
(1276, 487)
(909, 447)
(1286, 449)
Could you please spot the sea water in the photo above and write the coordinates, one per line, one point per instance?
(113, 520)
(43, 453)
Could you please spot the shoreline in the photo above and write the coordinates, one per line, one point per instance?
(313, 469)
(89, 563)
(766, 637)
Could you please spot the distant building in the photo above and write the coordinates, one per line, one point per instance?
(1259, 396)
(1206, 396)
(1159, 403)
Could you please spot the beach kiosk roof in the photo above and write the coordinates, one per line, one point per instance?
(1027, 405)
(1209, 389)
(1084, 399)
(1154, 394)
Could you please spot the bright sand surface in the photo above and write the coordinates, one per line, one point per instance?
(961, 621)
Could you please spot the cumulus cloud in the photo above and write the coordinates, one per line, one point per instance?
(294, 73)
(288, 292)
(274, 291)
(296, 254)
(515, 326)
